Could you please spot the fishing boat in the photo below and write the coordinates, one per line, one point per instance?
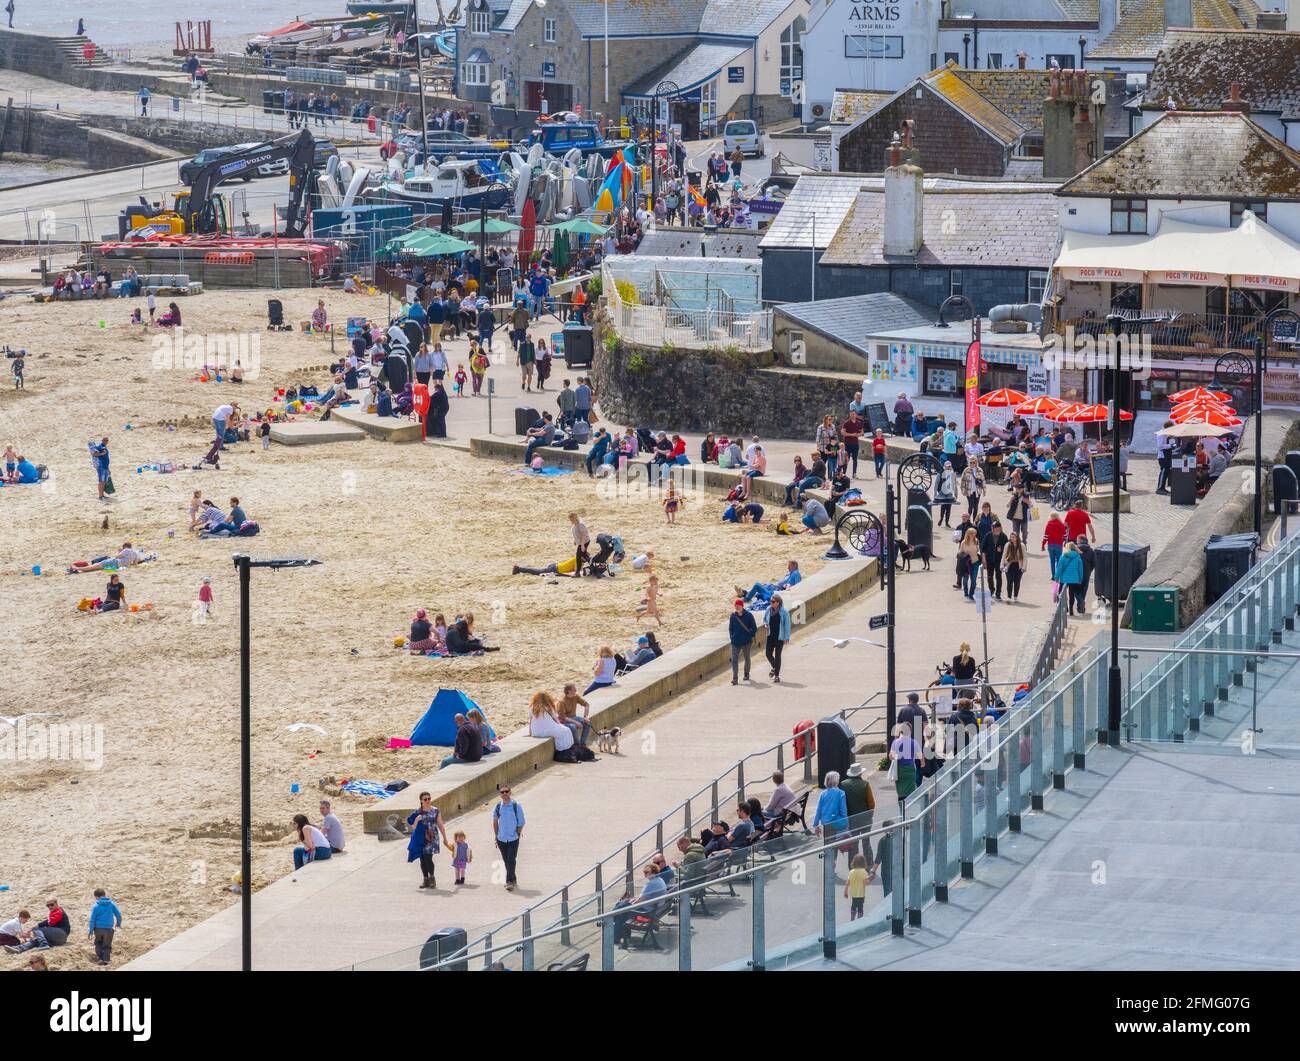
(394, 7)
(295, 33)
(345, 42)
(465, 183)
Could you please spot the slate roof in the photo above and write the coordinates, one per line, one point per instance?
(1141, 28)
(686, 243)
(1010, 226)
(514, 15)
(828, 197)
(1198, 68)
(850, 104)
(1020, 93)
(696, 64)
(637, 18)
(848, 321)
(1195, 155)
(949, 84)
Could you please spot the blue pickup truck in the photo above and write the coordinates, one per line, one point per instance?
(557, 138)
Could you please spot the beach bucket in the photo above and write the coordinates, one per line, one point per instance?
(36, 570)
(294, 788)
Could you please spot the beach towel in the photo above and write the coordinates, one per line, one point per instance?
(544, 473)
(367, 788)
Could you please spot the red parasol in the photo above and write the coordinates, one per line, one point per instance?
(1001, 399)
(1089, 414)
(1042, 406)
(1199, 394)
(1208, 416)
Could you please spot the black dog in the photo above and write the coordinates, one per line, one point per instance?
(908, 553)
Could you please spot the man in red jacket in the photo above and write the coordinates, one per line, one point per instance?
(1077, 523)
(52, 932)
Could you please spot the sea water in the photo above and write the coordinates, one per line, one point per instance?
(150, 21)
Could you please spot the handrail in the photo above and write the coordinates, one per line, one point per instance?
(975, 756)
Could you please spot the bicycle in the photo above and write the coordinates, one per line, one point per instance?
(1068, 489)
(977, 688)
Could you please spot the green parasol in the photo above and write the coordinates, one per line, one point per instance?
(560, 251)
(580, 226)
(493, 226)
(425, 243)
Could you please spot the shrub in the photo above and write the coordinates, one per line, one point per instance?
(637, 363)
(595, 287)
(627, 292)
(667, 347)
(611, 343)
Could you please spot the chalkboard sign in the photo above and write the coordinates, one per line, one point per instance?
(877, 417)
(1103, 468)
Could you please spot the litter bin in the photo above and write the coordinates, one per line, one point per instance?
(1154, 608)
(834, 747)
(441, 946)
(1132, 562)
(1227, 558)
(525, 417)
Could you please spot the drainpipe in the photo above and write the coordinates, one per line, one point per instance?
(965, 50)
(753, 89)
(976, 27)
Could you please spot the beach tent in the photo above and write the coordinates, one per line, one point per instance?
(438, 726)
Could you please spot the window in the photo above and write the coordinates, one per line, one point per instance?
(1258, 207)
(474, 74)
(954, 282)
(548, 31)
(1065, 61)
(709, 105)
(951, 57)
(1128, 216)
(792, 54)
(480, 22)
(994, 60)
(859, 46)
(1037, 287)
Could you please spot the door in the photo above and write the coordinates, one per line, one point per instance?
(686, 113)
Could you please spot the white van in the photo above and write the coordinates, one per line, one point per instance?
(743, 135)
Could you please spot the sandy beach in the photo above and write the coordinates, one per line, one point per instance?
(398, 527)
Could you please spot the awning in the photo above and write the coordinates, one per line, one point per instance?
(1252, 255)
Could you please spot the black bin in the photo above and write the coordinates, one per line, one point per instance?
(1293, 461)
(525, 417)
(441, 946)
(834, 747)
(1132, 562)
(273, 101)
(579, 346)
(1227, 558)
(1286, 487)
(919, 521)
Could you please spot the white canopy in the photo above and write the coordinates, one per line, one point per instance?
(1252, 255)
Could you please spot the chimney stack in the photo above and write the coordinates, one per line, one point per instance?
(1234, 102)
(1178, 14)
(1020, 60)
(904, 202)
(1275, 20)
(1073, 132)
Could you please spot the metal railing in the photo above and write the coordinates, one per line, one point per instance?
(1052, 641)
(1185, 333)
(687, 328)
(1004, 769)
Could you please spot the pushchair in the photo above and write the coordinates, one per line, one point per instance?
(275, 316)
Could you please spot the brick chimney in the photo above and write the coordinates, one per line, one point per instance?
(1178, 14)
(1234, 102)
(1073, 125)
(904, 201)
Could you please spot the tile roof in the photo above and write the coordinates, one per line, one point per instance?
(850, 104)
(1079, 10)
(823, 196)
(1198, 68)
(1195, 155)
(849, 320)
(637, 18)
(1020, 94)
(1011, 226)
(696, 64)
(947, 83)
(686, 243)
(1141, 27)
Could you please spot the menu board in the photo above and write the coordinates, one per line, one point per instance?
(877, 417)
(1103, 468)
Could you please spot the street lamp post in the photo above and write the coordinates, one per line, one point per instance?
(244, 565)
(1262, 340)
(887, 558)
(663, 90)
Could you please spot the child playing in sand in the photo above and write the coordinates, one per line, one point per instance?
(649, 606)
(266, 433)
(672, 502)
(196, 507)
(461, 855)
(11, 464)
(205, 599)
(16, 367)
(151, 304)
(783, 525)
(460, 379)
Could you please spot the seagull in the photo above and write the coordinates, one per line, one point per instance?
(841, 642)
(305, 725)
(31, 714)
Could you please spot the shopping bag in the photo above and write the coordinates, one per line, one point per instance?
(1056, 591)
(109, 488)
(893, 770)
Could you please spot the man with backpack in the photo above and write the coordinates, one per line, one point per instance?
(508, 828)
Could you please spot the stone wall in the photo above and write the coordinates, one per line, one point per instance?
(99, 145)
(1226, 509)
(694, 390)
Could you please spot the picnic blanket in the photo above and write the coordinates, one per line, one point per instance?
(545, 473)
(367, 788)
(246, 530)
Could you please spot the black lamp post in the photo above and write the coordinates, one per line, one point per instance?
(962, 300)
(244, 565)
(1262, 340)
(664, 90)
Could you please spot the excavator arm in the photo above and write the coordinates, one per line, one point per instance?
(199, 208)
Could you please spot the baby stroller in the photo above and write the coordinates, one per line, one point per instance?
(213, 456)
(275, 316)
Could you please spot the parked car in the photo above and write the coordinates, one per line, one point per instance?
(191, 169)
(743, 134)
(325, 150)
